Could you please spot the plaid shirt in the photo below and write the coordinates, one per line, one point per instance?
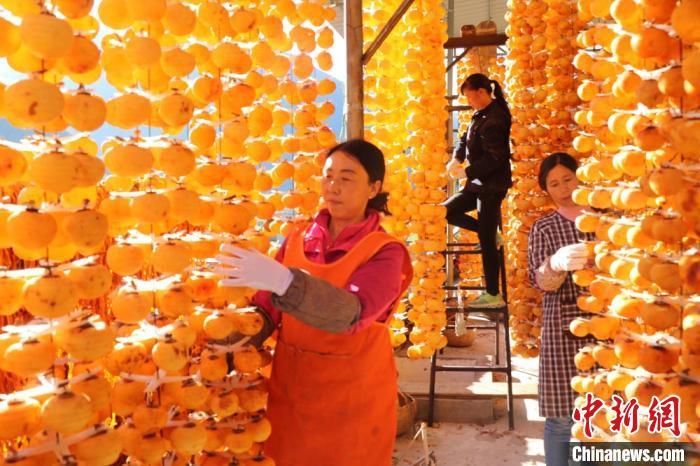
(559, 346)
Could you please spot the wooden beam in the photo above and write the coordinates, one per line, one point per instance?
(354, 91)
(475, 41)
(386, 30)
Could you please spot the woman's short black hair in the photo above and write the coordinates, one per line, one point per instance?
(557, 158)
(372, 160)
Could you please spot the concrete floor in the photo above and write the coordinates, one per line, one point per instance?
(480, 435)
(479, 444)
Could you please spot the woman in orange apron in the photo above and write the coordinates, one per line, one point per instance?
(333, 390)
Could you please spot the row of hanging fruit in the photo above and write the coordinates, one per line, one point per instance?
(117, 339)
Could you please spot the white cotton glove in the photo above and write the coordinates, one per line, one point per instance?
(456, 169)
(568, 258)
(249, 267)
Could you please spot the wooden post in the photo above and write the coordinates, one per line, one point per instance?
(354, 91)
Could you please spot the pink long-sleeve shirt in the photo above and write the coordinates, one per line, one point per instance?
(376, 284)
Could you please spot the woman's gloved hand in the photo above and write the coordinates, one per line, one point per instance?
(249, 267)
(569, 258)
(455, 169)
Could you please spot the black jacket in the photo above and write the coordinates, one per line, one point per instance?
(486, 145)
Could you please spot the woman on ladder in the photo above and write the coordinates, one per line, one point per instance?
(485, 146)
(333, 390)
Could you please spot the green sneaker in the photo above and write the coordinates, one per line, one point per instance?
(487, 301)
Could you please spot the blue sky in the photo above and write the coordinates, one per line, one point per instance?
(335, 122)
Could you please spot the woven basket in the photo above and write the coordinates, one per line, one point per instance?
(407, 409)
(461, 341)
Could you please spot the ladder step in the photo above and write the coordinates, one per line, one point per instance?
(486, 326)
(463, 287)
(477, 368)
(487, 309)
(460, 253)
(475, 390)
(470, 310)
(501, 310)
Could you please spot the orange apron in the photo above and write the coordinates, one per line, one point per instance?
(333, 396)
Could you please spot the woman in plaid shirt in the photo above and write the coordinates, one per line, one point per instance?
(555, 249)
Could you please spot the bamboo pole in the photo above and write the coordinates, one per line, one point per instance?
(386, 30)
(354, 92)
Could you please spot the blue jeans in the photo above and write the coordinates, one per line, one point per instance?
(557, 434)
